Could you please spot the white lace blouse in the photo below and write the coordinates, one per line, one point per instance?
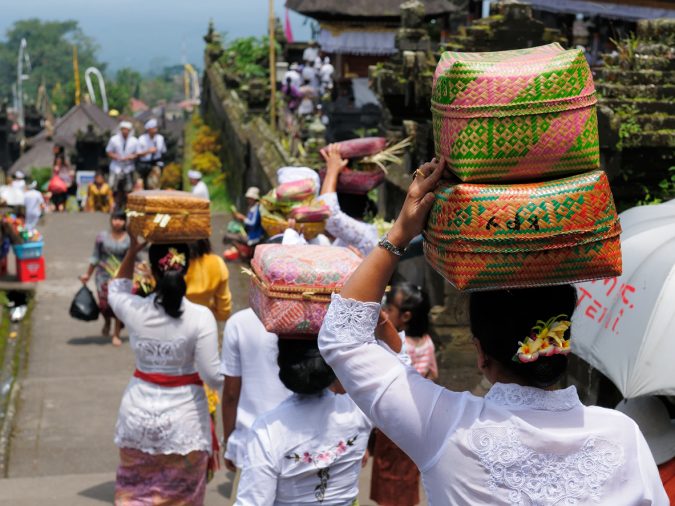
(516, 446)
(165, 420)
(307, 450)
(349, 231)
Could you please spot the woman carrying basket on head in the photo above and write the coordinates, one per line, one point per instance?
(525, 442)
(164, 431)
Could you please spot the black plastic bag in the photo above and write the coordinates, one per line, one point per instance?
(84, 306)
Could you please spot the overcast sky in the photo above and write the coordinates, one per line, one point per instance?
(147, 34)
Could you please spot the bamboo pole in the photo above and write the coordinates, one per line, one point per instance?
(76, 75)
(273, 67)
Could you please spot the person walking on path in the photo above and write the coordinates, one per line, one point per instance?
(252, 385)
(395, 478)
(122, 150)
(99, 195)
(199, 188)
(163, 430)
(34, 203)
(109, 249)
(151, 150)
(525, 441)
(309, 449)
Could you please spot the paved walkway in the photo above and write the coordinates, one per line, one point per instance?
(62, 451)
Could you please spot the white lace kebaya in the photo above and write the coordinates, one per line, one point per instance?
(349, 231)
(517, 446)
(166, 420)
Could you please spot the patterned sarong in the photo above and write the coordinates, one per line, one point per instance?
(160, 480)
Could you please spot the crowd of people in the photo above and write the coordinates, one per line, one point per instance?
(301, 417)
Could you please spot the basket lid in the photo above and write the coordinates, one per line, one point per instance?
(166, 201)
(304, 268)
(547, 75)
(517, 217)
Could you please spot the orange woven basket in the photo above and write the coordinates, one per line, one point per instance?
(483, 237)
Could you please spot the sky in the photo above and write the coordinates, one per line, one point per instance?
(149, 34)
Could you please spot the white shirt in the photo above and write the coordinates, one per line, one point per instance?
(349, 231)
(155, 419)
(122, 147)
(146, 142)
(250, 352)
(326, 72)
(33, 200)
(308, 450)
(310, 54)
(516, 446)
(294, 75)
(11, 195)
(201, 190)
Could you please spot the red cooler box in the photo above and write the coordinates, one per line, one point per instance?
(30, 270)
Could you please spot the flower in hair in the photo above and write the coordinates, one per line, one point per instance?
(172, 261)
(546, 339)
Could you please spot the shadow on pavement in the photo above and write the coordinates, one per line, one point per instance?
(98, 340)
(105, 492)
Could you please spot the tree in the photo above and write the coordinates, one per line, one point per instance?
(127, 84)
(50, 46)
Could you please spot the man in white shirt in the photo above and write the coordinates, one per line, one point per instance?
(310, 54)
(293, 75)
(35, 204)
(326, 75)
(10, 195)
(151, 149)
(199, 187)
(252, 385)
(122, 150)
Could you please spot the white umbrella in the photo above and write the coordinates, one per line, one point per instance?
(625, 326)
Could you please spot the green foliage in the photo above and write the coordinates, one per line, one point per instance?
(628, 125)
(627, 49)
(50, 46)
(127, 84)
(248, 56)
(663, 193)
(41, 175)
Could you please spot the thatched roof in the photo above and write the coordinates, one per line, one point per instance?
(342, 9)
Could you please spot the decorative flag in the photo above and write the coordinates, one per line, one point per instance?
(288, 30)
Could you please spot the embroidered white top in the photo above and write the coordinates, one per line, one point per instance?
(308, 450)
(348, 231)
(250, 353)
(516, 446)
(163, 420)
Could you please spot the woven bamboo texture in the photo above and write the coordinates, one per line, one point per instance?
(291, 285)
(275, 224)
(357, 182)
(515, 115)
(168, 216)
(508, 236)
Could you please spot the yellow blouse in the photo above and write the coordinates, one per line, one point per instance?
(207, 282)
(99, 198)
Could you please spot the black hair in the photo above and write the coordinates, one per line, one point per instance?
(357, 206)
(171, 286)
(415, 300)
(118, 215)
(200, 248)
(301, 367)
(502, 318)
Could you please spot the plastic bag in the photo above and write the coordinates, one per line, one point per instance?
(84, 306)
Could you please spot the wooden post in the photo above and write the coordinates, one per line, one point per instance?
(273, 67)
(76, 75)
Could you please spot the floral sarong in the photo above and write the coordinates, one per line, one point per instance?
(160, 480)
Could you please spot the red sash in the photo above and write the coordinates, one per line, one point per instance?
(167, 380)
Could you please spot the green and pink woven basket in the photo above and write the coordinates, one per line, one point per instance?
(518, 115)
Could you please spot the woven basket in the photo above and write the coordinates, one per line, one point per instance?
(506, 236)
(291, 286)
(275, 224)
(515, 115)
(168, 216)
(357, 182)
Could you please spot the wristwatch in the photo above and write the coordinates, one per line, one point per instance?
(386, 244)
